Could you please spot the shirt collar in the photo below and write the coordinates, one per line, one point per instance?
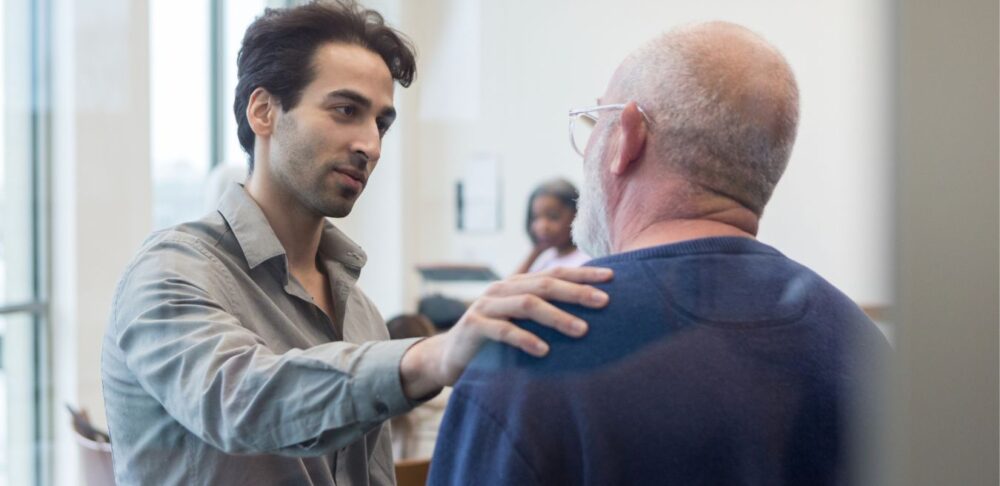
(336, 245)
(260, 244)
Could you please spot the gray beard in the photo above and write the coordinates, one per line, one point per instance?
(590, 228)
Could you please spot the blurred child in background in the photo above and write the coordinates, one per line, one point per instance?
(551, 210)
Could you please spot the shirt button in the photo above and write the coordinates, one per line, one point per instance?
(381, 408)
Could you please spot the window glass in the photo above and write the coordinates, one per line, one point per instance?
(180, 86)
(16, 179)
(21, 248)
(20, 406)
(236, 18)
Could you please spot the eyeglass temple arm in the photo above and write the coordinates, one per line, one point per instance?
(615, 106)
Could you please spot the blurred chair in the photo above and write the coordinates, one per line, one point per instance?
(412, 472)
(880, 314)
(876, 312)
(95, 450)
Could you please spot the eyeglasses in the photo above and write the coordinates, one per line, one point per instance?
(582, 122)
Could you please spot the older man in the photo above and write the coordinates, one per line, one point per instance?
(719, 360)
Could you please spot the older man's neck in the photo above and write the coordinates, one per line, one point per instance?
(676, 231)
(706, 219)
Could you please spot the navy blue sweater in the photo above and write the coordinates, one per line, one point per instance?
(717, 361)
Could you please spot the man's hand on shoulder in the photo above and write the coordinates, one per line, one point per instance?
(438, 361)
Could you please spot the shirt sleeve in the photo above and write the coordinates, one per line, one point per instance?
(172, 323)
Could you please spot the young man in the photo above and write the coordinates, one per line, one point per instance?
(718, 360)
(239, 349)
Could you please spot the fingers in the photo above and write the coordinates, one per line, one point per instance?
(533, 307)
(550, 288)
(462, 342)
(525, 297)
(571, 274)
(512, 335)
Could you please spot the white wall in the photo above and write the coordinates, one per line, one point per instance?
(529, 62)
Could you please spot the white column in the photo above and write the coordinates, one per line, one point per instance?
(101, 204)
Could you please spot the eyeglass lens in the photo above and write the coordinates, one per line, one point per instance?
(582, 127)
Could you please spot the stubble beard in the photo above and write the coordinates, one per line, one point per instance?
(590, 228)
(331, 205)
(307, 180)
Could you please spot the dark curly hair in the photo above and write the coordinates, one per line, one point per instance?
(278, 48)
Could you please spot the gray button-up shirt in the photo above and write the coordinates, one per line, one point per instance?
(219, 369)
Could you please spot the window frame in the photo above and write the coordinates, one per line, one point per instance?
(36, 33)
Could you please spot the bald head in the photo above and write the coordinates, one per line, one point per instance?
(724, 105)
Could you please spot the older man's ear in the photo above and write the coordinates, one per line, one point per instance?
(633, 138)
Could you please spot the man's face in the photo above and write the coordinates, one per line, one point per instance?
(324, 149)
(590, 228)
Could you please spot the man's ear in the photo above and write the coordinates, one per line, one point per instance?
(262, 112)
(633, 138)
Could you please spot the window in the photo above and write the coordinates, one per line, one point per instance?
(180, 87)
(237, 17)
(193, 47)
(23, 308)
